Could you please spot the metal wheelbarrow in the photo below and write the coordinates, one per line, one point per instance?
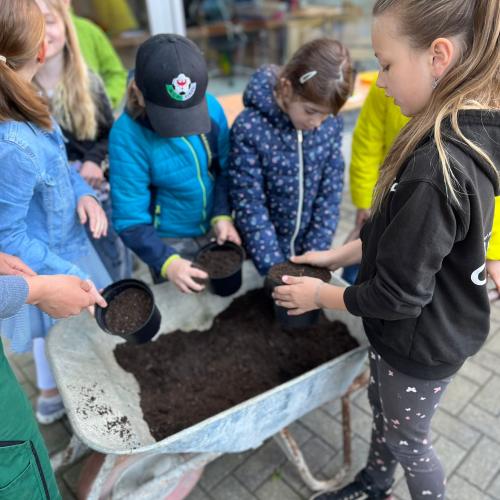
(103, 404)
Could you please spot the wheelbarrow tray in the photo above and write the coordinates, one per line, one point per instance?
(103, 402)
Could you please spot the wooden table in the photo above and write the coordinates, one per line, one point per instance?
(233, 103)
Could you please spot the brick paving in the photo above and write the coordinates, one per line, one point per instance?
(466, 435)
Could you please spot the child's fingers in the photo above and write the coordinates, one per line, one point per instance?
(281, 292)
(198, 273)
(184, 288)
(193, 286)
(301, 259)
(234, 237)
(295, 312)
(105, 225)
(82, 214)
(222, 235)
(99, 226)
(291, 280)
(288, 304)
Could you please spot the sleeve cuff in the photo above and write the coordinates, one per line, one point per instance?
(218, 218)
(351, 300)
(166, 264)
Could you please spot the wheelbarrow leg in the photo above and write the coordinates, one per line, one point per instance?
(359, 382)
(292, 449)
(70, 454)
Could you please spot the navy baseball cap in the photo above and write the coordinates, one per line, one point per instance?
(172, 75)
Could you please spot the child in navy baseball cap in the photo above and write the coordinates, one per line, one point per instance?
(172, 76)
(168, 156)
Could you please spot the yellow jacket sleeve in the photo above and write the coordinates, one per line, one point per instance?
(493, 252)
(378, 125)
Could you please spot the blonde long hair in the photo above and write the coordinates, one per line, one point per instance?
(473, 83)
(22, 30)
(73, 104)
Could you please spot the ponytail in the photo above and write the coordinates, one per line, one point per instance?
(22, 32)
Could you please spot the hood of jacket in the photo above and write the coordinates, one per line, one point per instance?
(259, 95)
(482, 127)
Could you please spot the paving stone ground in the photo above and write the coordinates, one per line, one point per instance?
(466, 434)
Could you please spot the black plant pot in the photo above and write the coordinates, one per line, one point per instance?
(281, 315)
(223, 285)
(273, 279)
(147, 330)
(288, 322)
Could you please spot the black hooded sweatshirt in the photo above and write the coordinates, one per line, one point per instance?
(421, 288)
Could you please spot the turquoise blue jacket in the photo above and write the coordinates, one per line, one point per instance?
(166, 187)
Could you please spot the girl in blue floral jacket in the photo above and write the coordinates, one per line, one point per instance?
(286, 169)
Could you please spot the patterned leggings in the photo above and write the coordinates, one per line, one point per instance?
(403, 407)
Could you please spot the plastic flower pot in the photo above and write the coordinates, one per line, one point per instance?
(140, 329)
(273, 279)
(223, 265)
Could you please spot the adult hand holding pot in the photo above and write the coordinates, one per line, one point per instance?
(61, 295)
(182, 274)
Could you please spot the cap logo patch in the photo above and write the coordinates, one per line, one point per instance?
(182, 88)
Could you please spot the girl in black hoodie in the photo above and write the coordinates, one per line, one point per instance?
(421, 290)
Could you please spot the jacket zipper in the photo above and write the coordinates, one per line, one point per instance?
(37, 460)
(301, 193)
(200, 180)
(157, 214)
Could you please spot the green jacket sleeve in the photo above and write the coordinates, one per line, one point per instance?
(101, 58)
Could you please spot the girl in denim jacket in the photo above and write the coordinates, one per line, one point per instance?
(43, 204)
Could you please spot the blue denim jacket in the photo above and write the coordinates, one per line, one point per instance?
(38, 200)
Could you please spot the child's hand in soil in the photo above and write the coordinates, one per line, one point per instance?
(299, 294)
(92, 173)
(11, 265)
(225, 231)
(181, 273)
(90, 210)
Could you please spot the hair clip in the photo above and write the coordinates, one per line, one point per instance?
(307, 76)
(3, 59)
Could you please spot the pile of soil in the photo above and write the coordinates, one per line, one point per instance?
(128, 311)
(187, 377)
(290, 269)
(219, 262)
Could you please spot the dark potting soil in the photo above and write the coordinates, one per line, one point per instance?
(289, 268)
(128, 311)
(219, 262)
(186, 377)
